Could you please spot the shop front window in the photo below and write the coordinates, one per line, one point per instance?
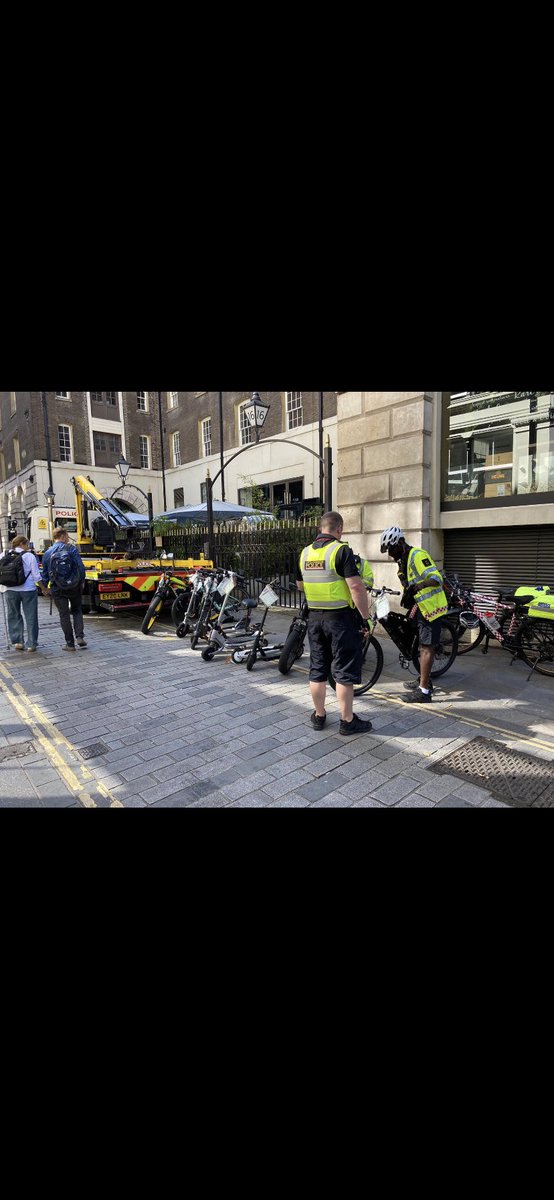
(498, 448)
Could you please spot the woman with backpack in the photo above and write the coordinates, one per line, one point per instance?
(21, 596)
(64, 569)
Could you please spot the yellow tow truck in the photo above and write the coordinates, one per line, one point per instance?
(121, 573)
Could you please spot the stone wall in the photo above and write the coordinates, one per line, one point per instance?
(387, 444)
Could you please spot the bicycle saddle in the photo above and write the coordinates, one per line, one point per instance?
(248, 603)
(511, 598)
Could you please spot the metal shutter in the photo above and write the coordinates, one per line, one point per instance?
(501, 558)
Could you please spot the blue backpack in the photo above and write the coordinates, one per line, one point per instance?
(64, 568)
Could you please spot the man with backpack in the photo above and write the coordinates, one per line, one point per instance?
(64, 570)
(19, 576)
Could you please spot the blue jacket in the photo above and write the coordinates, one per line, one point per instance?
(47, 578)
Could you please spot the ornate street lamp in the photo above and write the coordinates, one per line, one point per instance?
(123, 467)
(256, 413)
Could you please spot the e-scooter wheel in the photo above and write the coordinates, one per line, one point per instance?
(252, 656)
(208, 653)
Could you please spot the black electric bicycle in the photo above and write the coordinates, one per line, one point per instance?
(293, 646)
(402, 629)
(169, 587)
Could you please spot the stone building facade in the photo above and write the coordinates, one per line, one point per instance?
(467, 475)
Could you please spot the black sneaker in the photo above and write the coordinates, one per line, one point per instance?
(414, 683)
(354, 726)
(418, 697)
(318, 722)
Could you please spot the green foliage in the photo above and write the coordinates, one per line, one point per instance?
(258, 499)
(314, 513)
(163, 525)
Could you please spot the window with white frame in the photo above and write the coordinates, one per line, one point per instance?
(64, 442)
(295, 412)
(207, 437)
(142, 401)
(176, 441)
(173, 399)
(144, 451)
(247, 435)
(62, 395)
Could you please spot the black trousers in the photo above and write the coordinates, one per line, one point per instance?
(62, 603)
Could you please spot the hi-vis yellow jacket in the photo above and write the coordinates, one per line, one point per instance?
(322, 586)
(431, 600)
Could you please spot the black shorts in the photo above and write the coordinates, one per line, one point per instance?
(335, 640)
(429, 631)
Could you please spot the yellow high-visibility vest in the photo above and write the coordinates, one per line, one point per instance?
(322, 586)
(431, 601)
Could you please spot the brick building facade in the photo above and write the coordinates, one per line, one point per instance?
(89, 431)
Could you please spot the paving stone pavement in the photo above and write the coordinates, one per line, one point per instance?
(168, 730)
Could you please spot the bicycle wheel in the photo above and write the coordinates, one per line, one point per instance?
(152, 613)
(466, 641)
(293, 649)
(535, 642)
(372, 665)
(445, 653)
(180, 607)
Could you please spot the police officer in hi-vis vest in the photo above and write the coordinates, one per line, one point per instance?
(334, 590)
(422, 582)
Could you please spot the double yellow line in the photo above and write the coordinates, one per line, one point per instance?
(80, 781)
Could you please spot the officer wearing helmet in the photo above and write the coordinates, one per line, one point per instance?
(422, 583)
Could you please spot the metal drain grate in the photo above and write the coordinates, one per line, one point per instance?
(18, 751)
(514, 777)
(94, 750)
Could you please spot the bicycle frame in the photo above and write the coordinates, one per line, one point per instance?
(525, 638)
(403, 631)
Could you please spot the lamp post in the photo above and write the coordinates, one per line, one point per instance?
(329, 475)
(210, 514)
(50, 496)
(47, 442)
(162, 456)
(321, 469)
(221, 445)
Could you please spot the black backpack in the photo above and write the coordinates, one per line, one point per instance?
(63, 566)
(12, 571)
